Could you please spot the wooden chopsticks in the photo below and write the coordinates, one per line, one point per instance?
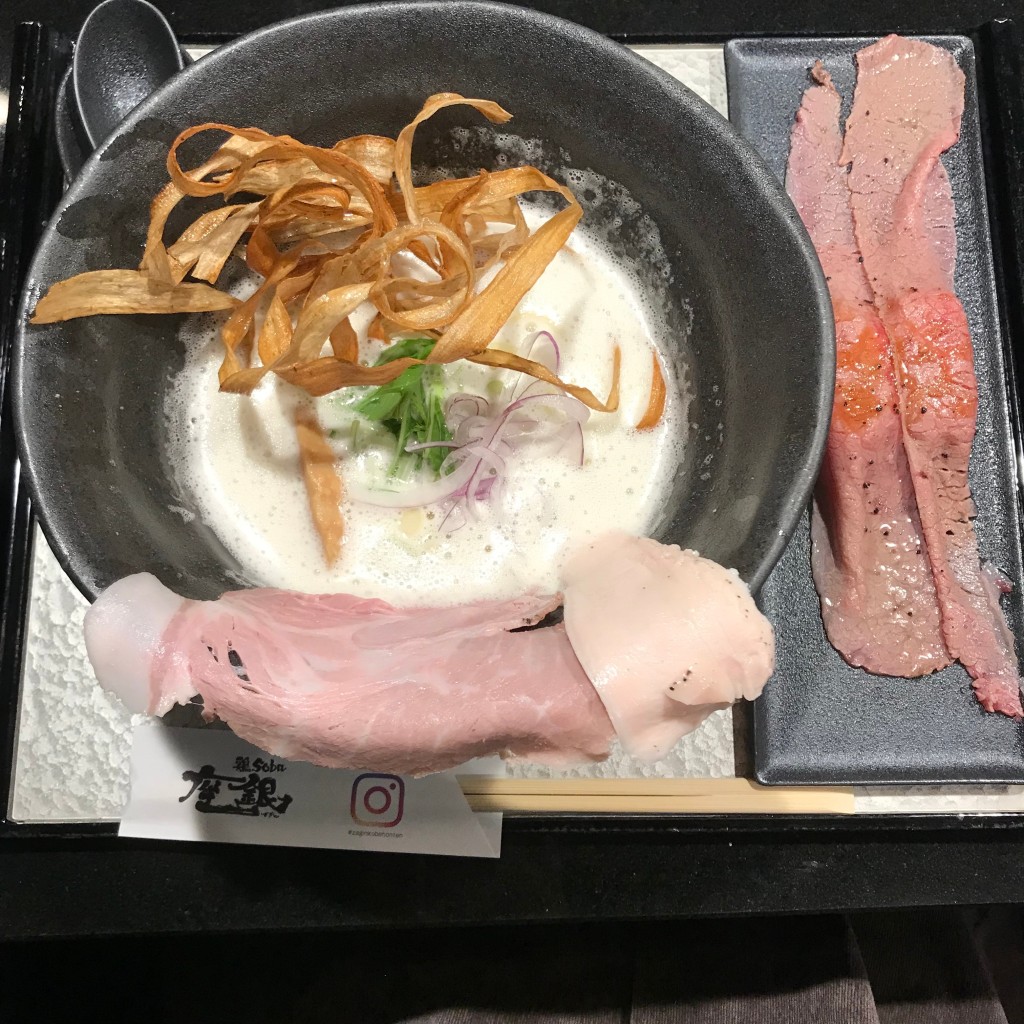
(651, 796)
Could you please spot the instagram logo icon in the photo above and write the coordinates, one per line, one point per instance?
(377, 800)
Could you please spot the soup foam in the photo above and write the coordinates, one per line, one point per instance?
(236, 459)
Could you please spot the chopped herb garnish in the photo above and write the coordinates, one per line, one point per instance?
(411, 406)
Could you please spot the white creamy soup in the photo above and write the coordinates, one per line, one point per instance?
(236, 458)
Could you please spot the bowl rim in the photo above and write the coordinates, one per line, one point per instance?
(749, 162)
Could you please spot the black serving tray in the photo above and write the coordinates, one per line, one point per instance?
(30, 185)
(820, 720)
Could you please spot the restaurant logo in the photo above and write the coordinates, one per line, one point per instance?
(378, 801)
(252, 795)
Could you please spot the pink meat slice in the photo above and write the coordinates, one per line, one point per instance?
(878, 600)
(351, 683)
(667, 637)
(906, 113)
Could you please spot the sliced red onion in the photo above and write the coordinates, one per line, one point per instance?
(413, 495)
(485, 435)
(478, 403)
(571, 408)
(541, 338)
(489, 456)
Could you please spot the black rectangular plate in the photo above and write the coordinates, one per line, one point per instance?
(821, 721)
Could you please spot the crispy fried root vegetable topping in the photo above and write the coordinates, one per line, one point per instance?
(323, 483)
(656, 403)
(323, 234)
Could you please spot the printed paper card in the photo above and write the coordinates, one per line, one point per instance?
(207, 785)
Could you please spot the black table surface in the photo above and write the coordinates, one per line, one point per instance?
(627, 870)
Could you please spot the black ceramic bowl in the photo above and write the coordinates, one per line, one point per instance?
(746, 296)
